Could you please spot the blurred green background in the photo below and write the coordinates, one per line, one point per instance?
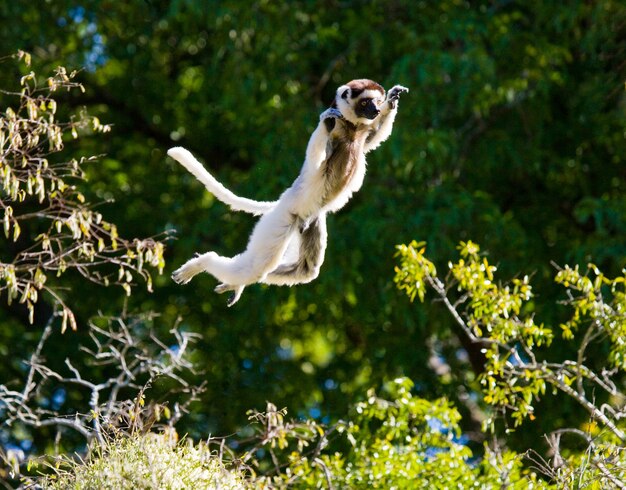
(513, 135)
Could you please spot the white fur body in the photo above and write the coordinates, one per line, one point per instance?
(288, 243)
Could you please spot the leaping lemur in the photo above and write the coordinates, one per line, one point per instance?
(288, 243)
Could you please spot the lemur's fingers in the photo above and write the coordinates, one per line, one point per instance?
(329, 116)
(237, 290)
(394, 95)
(222, 288)
(396, 91)
(184, 274)
(331, 113)
(235, 296)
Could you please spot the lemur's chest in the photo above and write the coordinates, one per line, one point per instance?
(344, 156)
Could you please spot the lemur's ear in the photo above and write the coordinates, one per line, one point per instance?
(343, 91)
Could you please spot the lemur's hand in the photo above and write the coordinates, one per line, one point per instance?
(329, 116)
(394, 95)
(331, 113)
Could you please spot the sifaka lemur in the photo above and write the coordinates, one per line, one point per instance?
(288, 243)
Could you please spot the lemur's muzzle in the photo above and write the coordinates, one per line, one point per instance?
(368, 110)
(373, 114)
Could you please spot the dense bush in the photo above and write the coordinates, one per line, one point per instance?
(147, 462)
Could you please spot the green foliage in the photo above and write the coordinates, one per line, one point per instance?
(395, 441)
(492, 307)
(402, 441)
(514, 376)
(414, 270)
(600, 302)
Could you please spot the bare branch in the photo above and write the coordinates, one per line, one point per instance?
(138, 356)
(34, 359)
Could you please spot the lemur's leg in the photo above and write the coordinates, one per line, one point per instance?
(265, 249)
(313, 240)
(387, 117)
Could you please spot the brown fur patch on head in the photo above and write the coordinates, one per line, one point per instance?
(357, 87)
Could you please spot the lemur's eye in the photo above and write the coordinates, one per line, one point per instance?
(364, 103)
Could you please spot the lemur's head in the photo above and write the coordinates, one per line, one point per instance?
(359, 100)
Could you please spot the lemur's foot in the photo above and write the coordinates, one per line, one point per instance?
(185, 273)
(222, 288)
(237, 290)
(235, 296)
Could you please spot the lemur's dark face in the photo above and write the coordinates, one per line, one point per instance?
(366, 107)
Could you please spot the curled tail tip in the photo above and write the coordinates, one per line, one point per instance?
(176, 151)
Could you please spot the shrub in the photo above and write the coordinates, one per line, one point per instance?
(148, 462)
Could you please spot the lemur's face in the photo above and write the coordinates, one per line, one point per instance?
(367, 107)
(359, 101)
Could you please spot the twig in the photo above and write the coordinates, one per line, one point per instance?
(327, 473)
(29, 385)
(581, 356)
(591, 408)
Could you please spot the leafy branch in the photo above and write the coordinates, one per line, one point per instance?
(40, 193)
(518, 370)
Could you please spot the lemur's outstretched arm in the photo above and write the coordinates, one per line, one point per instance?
(388, 112)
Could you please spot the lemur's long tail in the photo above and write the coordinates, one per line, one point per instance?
(187, 160)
